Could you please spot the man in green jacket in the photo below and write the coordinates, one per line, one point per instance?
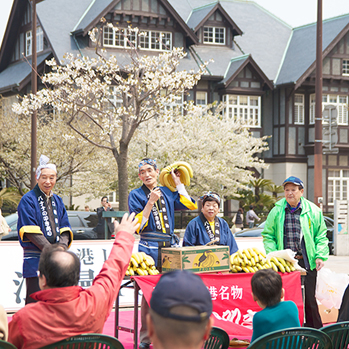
(298, 224)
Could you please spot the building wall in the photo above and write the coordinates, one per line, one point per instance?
(280, 171)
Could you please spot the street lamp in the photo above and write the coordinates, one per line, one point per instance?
(34, 81)
(318, 111)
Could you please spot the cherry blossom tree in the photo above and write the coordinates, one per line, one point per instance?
(220, 150)
(106, 102)
(72, 155)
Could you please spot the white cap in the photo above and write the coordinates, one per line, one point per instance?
(44, 164)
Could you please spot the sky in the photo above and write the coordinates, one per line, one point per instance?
(293, 12)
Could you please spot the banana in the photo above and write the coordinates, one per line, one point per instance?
(167, 182)
(185, 177)
(245, 270)
(127, 272)
(161, 177)
(134, 262)
(240, 254)
(250, 269)
(140, 271)
(131, 272)
(274, 266)
(136, 257)
(287, 268)
(281, 268)
(238, 268)
(252, 252)
(186, 165)
(247, 253)
(143, 266)
(282, 261)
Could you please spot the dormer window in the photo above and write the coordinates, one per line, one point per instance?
(39, 41)
(214, 35)
(149, 40)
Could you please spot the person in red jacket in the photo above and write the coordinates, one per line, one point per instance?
(65, 309)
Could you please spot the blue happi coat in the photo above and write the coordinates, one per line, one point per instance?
(30, 220)
(196, 234)
(137, 200)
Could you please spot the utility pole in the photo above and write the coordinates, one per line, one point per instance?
(33, 156)
(318, 199)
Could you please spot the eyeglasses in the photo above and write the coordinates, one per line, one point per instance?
(150, 162)
(212, 195)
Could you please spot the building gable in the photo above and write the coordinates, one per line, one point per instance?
(136, 13)
(244, 76)
(213, 25)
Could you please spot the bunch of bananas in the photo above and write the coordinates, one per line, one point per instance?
(185, 170)
(141, 264)
(252, 259)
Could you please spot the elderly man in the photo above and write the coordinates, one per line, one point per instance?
(42, 220)
(207, 227)
(180, 309)
(154, 207)
(298, 224)
(65, 309)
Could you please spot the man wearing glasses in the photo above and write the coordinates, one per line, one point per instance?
(154, 208)
(207, 227)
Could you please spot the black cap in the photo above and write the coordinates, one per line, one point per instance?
(181, 288)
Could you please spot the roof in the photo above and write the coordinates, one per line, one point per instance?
(15, 73)
(301, 51)
(198, 14)
(265, 36)
(234, 66)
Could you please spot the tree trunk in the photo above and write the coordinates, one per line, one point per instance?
(121, 160)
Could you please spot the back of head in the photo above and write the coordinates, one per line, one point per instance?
(60, 267)
(251, 207)
(180, 310)
(267, 286)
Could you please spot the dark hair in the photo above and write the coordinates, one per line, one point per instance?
(209, 198)
(104, 197)
(251, 207)
(57, 271)
(240, 210)
(267, 286)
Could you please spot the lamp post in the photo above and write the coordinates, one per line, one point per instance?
(318, 112)
(34, 81)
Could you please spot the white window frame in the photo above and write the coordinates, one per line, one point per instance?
(345, 67)
(202, 101)
(178, 103)
(340, 101)
(112, 197)
(243, 108)
(114, 99)
(148, 40)
(121, 38)
(338, 186)
(212, 39)
(299, 109)
(29, 41)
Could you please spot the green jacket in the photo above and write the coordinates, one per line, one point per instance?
(313, 229)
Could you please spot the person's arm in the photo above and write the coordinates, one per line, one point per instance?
(269, 233)
(14, 333)
(3, 324)
(231, 242)
(189, 238)
(184, 201)
(107, 283)
(321, 242)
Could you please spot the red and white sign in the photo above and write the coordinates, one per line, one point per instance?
(233, 306)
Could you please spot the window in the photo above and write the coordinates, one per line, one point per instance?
(115, 100)
(112, 197)
(148, 40)
(341, 102)
(201, 98)
(39, 41)
(118, 38)
(337, 185)
(345, 67)
(214, 35)
(299, 109)
(243, 108)
(176, 105)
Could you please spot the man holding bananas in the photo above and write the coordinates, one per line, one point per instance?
(154, 208)
(207, 227)
(297, 224)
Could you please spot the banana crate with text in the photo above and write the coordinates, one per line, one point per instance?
(196, 258)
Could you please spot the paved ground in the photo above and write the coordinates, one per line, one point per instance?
(338, 264)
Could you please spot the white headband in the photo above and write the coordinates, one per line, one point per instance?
(44, 164)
